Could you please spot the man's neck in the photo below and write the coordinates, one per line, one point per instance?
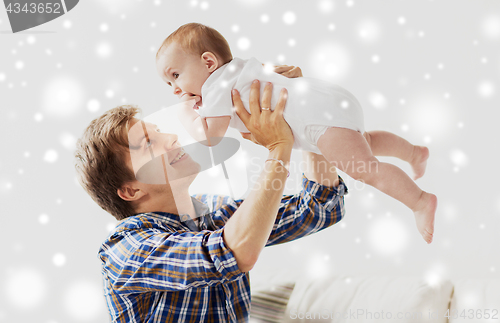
(179, 203)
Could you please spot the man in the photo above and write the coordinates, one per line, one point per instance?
(175, 258)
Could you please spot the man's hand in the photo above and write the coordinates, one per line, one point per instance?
(288, 71)
(268, 128)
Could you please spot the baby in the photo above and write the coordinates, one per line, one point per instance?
(325, 119)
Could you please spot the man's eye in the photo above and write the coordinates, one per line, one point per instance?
(148, 144)
(176, 75)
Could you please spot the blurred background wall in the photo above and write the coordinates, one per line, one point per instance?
(426, 70)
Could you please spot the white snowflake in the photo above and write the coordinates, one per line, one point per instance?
(93, 105)
(19, 65)
(369, 30)
(104, 27)
(68, 141)
(330, 61)
(51, 156)
(491, 27)
(459, 158)
(243, 43)
(289, 17)
(83, 292)
(109, 93)
(378, 100)
(62, 97)
(38, 117)
(388, 236)
(43, 218)
(326, 6)
(59, 260)
(486, 89)
(104, 50)
(25, 287)
(204, 5)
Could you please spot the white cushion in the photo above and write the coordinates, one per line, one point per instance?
(472, 297)
(368, 299)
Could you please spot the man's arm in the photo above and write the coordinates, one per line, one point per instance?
(315, 208)
(319, 205)
(247, 231)
(319, 169)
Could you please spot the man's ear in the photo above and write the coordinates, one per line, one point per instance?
(128, 192)
(210, 61)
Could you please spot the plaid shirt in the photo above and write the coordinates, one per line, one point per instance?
(162, 267)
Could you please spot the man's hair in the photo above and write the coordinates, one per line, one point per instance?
(100, 160)
(196, 38)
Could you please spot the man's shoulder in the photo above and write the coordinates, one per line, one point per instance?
(144, 221)
(138, 222)
(129, 230)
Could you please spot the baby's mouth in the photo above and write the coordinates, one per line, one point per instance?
(191, 95)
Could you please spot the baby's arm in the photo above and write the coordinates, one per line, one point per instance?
(201, 128)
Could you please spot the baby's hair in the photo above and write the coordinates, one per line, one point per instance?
(196, 39)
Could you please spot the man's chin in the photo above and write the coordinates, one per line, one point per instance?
(187, 169)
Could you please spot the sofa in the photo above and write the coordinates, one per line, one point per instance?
(343, 298)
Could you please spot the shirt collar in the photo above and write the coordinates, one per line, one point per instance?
(184, 220)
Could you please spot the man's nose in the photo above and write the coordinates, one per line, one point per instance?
(171, 142)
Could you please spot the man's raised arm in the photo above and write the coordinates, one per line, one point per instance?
(247, 231)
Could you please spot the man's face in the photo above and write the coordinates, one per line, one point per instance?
(156, 157)
(185, 72)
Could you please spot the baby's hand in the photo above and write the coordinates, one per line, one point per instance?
(187, 97)
(288, 71)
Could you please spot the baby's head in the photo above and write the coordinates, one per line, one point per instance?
(189, 55)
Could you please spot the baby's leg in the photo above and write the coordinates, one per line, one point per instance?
(350, 152)
(383, 143)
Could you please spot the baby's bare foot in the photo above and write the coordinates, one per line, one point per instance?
(419, 161)
(424, 215)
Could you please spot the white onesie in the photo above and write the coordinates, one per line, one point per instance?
(312, 105)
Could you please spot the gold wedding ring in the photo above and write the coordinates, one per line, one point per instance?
(265, 109)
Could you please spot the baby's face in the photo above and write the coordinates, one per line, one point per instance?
(185, 72)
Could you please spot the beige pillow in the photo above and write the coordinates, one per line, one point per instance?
(269, 303)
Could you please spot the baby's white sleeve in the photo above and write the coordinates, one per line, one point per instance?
(217, 102)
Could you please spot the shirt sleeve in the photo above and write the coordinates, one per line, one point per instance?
(216, 91)
(149, 259)
(315, 208)
(217, 102)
